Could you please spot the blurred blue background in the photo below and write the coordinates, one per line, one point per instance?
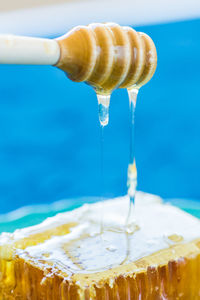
(50, 133)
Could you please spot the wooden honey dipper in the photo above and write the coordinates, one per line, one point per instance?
(106, 56)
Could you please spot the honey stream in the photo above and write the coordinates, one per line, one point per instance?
(111, 244)
(132, 171)
(103, 110)
(130, 224)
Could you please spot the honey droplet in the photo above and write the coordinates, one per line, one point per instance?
(103, 103)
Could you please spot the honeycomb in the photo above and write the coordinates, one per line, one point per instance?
(67, 257)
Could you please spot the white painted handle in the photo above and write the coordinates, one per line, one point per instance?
(28, 50)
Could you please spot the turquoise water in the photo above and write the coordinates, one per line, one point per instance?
(33, 215)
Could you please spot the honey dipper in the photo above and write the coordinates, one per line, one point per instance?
(106, 56)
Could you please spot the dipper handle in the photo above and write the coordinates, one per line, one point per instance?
(28, 50)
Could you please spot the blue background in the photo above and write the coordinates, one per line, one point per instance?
(50, 134)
